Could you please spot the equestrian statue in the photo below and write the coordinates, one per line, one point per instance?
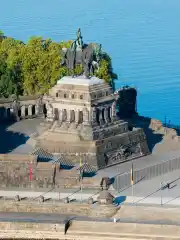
(88, 56)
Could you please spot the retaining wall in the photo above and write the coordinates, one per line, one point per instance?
(88, 230)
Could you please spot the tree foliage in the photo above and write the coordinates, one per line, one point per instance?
(34, 67)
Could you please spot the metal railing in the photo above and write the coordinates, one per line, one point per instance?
(123, 180)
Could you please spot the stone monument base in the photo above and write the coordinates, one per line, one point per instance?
(99, 153)
(81, 122)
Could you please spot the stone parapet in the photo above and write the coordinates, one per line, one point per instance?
(48, 207)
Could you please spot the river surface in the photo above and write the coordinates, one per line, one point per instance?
(141, 36)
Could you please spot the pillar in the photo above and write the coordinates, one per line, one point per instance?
(60, 115)
(30, 110)
(85, 116)
(93, 117)
(100, 117)
(106, 114)
(37, 109)
(113, 110)
(23, 111)
(76, 116)
(68, 112)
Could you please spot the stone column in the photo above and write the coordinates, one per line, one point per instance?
(76, 116)
(23, 111)
(60, 115)
(113, 110)
(85, 116)
(37, 109)
(93, 116)
(30, 110)
(68, 115)
(106, 115)
(100, 117)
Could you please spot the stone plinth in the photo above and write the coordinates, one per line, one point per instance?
(84, 123)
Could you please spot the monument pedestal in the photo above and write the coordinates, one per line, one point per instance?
(86, 124)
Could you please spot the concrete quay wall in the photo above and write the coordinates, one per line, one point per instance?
(88, 230)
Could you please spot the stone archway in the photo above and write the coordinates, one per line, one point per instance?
(64, 115)
(56, 114)
(80, 116)
(72, 116)
(44, 110)
(103, 115)
(109, 113)
(26, 111)
(19, 113)
(33, 110)
(97, 116)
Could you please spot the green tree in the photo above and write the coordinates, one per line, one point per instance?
(10, 67)
(34, 68)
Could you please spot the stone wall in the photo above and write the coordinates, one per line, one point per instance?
(15, 170)
(35, 206)
(88, 230)
(23, 171)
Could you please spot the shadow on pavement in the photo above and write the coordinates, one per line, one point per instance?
(9, 139)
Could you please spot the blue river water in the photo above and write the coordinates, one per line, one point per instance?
(141, 36)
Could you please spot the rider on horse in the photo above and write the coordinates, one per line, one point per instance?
(78, 43)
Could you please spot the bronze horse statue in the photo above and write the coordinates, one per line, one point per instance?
(86, 57)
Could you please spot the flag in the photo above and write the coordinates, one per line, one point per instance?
(132, 175)
(80, 163)
(30, 172)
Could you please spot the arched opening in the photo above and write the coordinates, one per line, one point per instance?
(109, 113)
(56, 114)
(80, 116)
(72, 116)
(103, 115)
(64, 115)
(44, 110)
(19, 112)
(33, 110)
(26, 111)
(97, 116)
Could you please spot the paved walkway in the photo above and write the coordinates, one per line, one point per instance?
(62, 218)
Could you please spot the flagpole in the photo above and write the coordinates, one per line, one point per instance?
(132, 181)
(133, 193)
(81, 177)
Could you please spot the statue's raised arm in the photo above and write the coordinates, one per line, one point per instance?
(78, 43)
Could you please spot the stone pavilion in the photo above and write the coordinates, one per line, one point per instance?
(82, 122)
